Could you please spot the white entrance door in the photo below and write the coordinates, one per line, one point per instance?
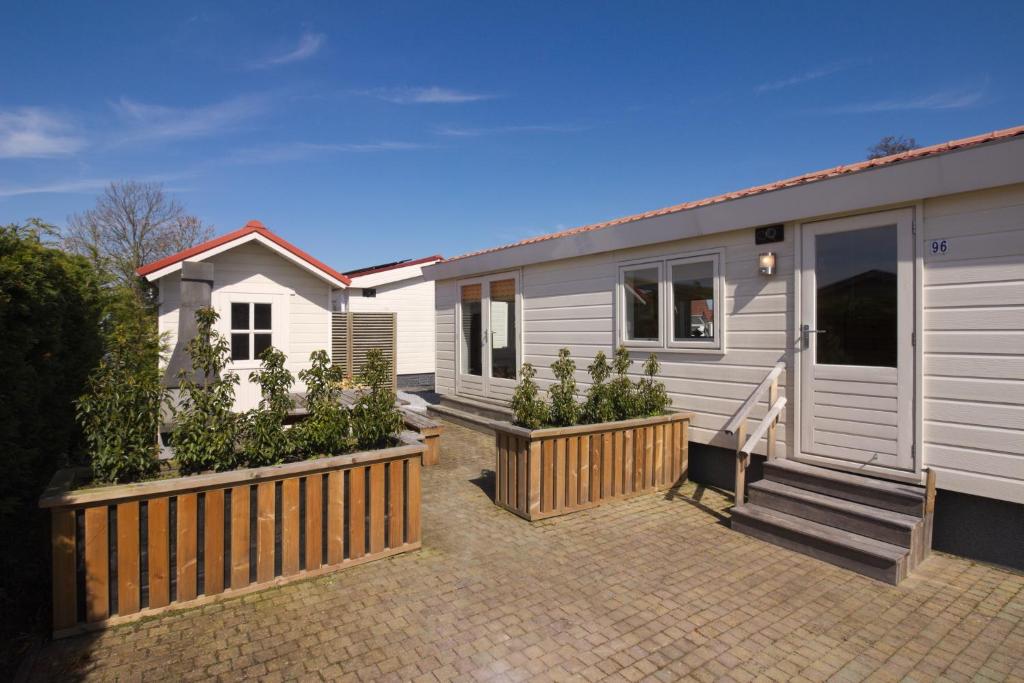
(856, 344)
(487, 330)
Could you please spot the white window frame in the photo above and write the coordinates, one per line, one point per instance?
(718, 292)
(666, 322)
(252, 331)
(641, 343)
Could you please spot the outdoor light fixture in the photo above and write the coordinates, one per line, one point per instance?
(766, 263)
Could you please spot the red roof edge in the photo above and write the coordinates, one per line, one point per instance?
(249, 228)
(393, 266)
(804, 179)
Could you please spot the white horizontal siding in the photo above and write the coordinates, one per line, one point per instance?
(973, 334)
(444, 340)
(412, 300)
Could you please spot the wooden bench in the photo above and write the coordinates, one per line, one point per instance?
(429, 431)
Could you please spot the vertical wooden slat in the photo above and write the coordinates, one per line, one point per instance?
(534, 465)
(335, 517)
(500, 467)
(128, 586)
(547, 474)
(396, 504)
(522, 475)
(65, 591)
(356, 512)
(290, 526)
(265, 522)
(595, 467)
(659, 455)
(648, 457)
(560, 478)
(187, 557)
(617, 464)
(573, 483)
(627, 461)
(511, 467)
(159, 552)
(638, 459)
(607, 465)
(584, 469)
(377, 528)
(240, 536)
(97, 569)
(684, 443)
(314, 521)
(213, 543)
(413, 500)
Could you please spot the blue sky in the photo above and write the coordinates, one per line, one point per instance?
(369, 132)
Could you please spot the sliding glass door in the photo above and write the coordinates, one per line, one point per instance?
(488, 335)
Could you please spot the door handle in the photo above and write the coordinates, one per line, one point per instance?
(806, 332)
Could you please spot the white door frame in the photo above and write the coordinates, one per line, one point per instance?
(908, 358)
(485, 385)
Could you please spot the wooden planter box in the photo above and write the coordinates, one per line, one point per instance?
(128, 551)
(547, 472)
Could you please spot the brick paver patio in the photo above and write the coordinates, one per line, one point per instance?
(656, 588)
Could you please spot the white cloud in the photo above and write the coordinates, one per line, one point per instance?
(56, 187)
(949, 99)
(154, 121)
(460, 132)
(799, 79)
(33, 132)
(309, 45)
(428, 95)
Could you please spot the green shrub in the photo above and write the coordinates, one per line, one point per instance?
(325, 431)
(527, 407)
(376, 421)
(652, 397)
(621, 390)
(264, 438)
(599, 406)
(120, 412)
(565, 408)
(206, 429)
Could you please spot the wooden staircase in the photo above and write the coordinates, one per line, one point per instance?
(876, 528)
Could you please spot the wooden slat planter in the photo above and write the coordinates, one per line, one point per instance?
(547, 472)
(129, 551)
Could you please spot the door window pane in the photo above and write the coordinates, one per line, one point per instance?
(240, 346)
(693, 301)
(503, 328)
(261, 316)
(855, 276)
(640, 291)
(471, 357)
(239, 316)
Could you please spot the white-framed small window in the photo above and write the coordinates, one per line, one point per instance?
(640, 297)
(695, 302)
(251, 330)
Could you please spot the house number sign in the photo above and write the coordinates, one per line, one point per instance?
(939, 247)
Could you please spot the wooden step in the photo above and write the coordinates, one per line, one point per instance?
(903, 498)
(462, 418)
(877, 523)
(488, 408)
(867, 556)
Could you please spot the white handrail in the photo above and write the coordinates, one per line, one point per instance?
(741, 415)
(762, 427)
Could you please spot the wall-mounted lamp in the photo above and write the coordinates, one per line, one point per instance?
(766, 263)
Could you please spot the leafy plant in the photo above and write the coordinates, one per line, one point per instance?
(565, 409)
(376, 421)
(206, 428)
(599, 406)
(120, 412)
(264, 440)
(326, 429)
(621, 390)
(652, 397)
(527, 407)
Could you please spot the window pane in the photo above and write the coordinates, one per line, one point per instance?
(261, 316)
(503, 328)
(693, 300)
(260, 343)
(239, 316)
(855, 275)
(471, 357)
(641, 303)
(240, 346)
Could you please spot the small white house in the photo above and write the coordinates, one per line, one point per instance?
(891, 290)
(267, 291)
(400, 288)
